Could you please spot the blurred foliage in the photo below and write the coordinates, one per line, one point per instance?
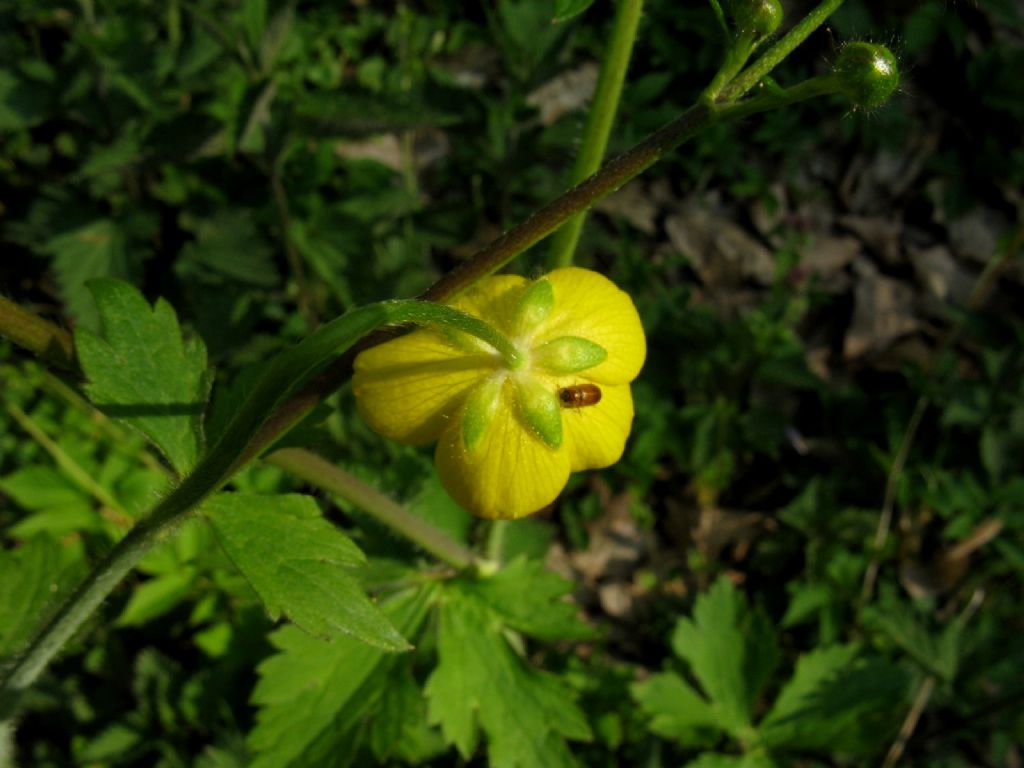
(265, 165)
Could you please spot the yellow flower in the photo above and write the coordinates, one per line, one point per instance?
(506, 440)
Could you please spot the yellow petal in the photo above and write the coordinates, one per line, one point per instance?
(409, 388)
(595, 435)
(509, 473)
(589, 305)
(494, 299)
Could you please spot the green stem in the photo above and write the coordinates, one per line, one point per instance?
(71, 468)
(773, 99)
(774, 55)
(735, 57)
(321, 473)
(716, 8)
(32, 332)
(600, 119)
(288, 371)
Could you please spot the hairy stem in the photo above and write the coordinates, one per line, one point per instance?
(325, 475)
(600, 119)
(774, 55)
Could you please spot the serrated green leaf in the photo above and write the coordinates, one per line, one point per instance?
(96, 249)
(400, 731)
(480, 682)
(32, 578)
(676, 710)
(229, 248)
(937, 652)
(299, 564)
(836, 701)
(731, 650)
(314, 695)
(142, 372)
(528, 598)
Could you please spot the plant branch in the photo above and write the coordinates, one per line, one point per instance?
(779, 51)
(323, 474)
(600, 118)
(71, 468)
(30, 331)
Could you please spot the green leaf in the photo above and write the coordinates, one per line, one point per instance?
(156, 597)
(299, 564)
(58, 507)
(229, 248)
(837, 701)
(22, 103)
(434, 505)
(529, 598)
(144, 373)
(314, 695)
(400, 730)
(711, 760)
(96, 249)
(566, 9)
(676, 710)
(33, 576)
(40, 487)
(254, 21)
(937, 652)
(731, 650)
(481, 683)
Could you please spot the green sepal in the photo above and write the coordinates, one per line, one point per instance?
(569, 354)
(867, 73)
(758, 18)
(534, 305)
(540, 409)
(478, 413)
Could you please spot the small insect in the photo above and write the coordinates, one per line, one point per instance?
(579, 395)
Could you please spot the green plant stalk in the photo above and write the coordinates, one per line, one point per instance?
(325, 475)
(779, 51)
(32, 332)
(599, 120)
(737, 55)
(288, 370)
(716, 8)
(74, 470)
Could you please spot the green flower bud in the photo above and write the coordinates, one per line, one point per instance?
(867, 74)
(758, 18)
